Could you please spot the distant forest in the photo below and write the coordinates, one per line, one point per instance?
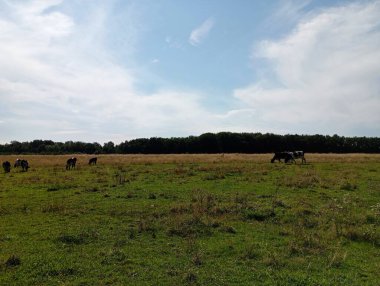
(223, 142)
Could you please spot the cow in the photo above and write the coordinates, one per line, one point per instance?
(287, 156)
(299, 154)
(93, 161)
(71, 163)
(17, 163)
(24, 165)
(6, 166)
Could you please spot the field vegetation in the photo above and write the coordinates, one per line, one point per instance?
(223, 219)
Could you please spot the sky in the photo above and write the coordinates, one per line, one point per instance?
(99, 71)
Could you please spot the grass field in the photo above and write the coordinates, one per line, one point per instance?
(191, 219)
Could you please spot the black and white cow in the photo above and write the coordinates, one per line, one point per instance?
(71, 163)
(6, 166)
(17, 163)
(299, 154)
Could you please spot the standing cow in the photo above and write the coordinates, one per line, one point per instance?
(17, 163)
(70, 164)
(287, 156)
(24, 165)
(6, 166)
(299, 154)
(93, 161)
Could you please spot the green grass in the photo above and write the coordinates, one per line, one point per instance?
(191, 219)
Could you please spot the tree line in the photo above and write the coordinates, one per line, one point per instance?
(223, 142)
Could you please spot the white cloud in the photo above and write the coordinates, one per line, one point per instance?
(58, 82)
(173, 42)
(200, 33)
(290, 10)
(324, 76)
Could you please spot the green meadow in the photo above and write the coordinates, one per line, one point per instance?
(229, 219)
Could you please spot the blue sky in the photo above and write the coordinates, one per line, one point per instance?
(116, 70)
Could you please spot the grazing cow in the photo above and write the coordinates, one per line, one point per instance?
(17, 163)
(92, 161)
(71, 163)
(287, 156)
(299, 154)
(24, 165)
(6, 166)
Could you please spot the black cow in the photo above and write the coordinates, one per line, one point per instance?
(24, 165)
(6, 166)
(71, 163)
(21, 163)
(93, 161)
(299, 154)
(287, 156)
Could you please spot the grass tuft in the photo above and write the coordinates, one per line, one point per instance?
(191, 277)
(13, 261)
(189, 227)
(348, 187)
(251, 252)
(71, 239)
(54, 208)
(62, 272)
(228, 229)
(258, 214)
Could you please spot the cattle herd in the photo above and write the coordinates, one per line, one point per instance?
(288, 157)
(24, 164)
(19, 163)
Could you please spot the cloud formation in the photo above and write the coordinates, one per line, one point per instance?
(199, 34)
(323, 76)
(59, 79)
(58, 82)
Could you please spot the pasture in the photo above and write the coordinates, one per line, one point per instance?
(228, 219)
